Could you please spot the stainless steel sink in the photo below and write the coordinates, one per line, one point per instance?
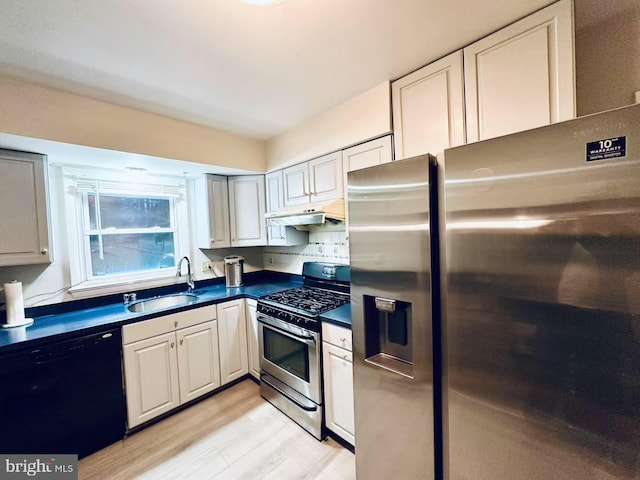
(161, 303)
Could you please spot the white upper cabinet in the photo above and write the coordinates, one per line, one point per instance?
(522, 76)
(368, 154)
(276, 234)
(325, 177)
(247, 208)
(428, 108)
(313, 181)
(24, 236)
(213, 229)
(296, 184)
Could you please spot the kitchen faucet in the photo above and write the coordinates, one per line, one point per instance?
(189, 277)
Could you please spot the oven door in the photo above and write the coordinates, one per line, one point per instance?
(292, 355)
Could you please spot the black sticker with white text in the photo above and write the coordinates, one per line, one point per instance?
(606, 149)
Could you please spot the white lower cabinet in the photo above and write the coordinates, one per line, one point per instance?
(252, 338)
(232, 339)
(166, 366)
(338, 382)
(151, 375)
(198, 360)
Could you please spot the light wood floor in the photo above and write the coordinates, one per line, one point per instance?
(232, 435)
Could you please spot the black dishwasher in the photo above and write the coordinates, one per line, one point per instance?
(63, 397)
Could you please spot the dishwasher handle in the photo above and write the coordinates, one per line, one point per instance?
(68, 348)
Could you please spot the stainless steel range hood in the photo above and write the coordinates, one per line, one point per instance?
(303, 216)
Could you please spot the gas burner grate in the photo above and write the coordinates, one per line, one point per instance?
(313, 300)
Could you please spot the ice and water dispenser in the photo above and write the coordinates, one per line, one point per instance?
(388, 342)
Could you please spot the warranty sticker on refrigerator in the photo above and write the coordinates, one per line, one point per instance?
(607, 149)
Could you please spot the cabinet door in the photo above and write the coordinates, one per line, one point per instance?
(198, 360)
(212, 197)
(296, 184)
(246, 209)
(366, 155)
(325, 177)
(275, 201)
(151, 377)
(276, 234)
(428, 108)
(338, 391)
(252, 338)
(24, 236)
(522, 76)
(232, 339)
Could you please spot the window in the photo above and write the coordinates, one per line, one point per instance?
(127, 228)
(127, 233)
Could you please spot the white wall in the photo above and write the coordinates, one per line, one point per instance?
(361, 118)
(607, 54)
(32, 111)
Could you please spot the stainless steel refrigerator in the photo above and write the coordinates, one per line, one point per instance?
(543, 303)
(520, 360)
(393, 298)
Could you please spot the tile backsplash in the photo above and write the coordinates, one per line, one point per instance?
(327, 243)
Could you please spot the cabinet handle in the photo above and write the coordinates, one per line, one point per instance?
(43, 251)
(344, 357)
(212, 241)
(175, 324)
(172, 344)
(343, 339)
(181, 341)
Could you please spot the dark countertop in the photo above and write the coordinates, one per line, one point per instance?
(340, 316)
(114, 315)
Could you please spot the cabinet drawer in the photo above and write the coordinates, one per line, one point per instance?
(335, 335)
(167, 323)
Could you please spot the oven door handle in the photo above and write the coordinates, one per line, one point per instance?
(305, 338)
(309, 408)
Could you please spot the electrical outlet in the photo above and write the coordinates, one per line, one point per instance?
(207, 266)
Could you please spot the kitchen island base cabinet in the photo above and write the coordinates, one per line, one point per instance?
(166, 366)
(232, 332)
(338, 382)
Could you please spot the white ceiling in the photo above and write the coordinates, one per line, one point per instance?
(257, 71)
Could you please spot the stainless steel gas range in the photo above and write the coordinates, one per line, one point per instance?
(289, 333)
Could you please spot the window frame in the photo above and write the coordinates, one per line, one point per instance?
(83, 282)
(87, 232)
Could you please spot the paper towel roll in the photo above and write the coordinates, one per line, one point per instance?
(15, 302)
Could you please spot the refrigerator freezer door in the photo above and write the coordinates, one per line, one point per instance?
(543, 302)
(391, 307)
